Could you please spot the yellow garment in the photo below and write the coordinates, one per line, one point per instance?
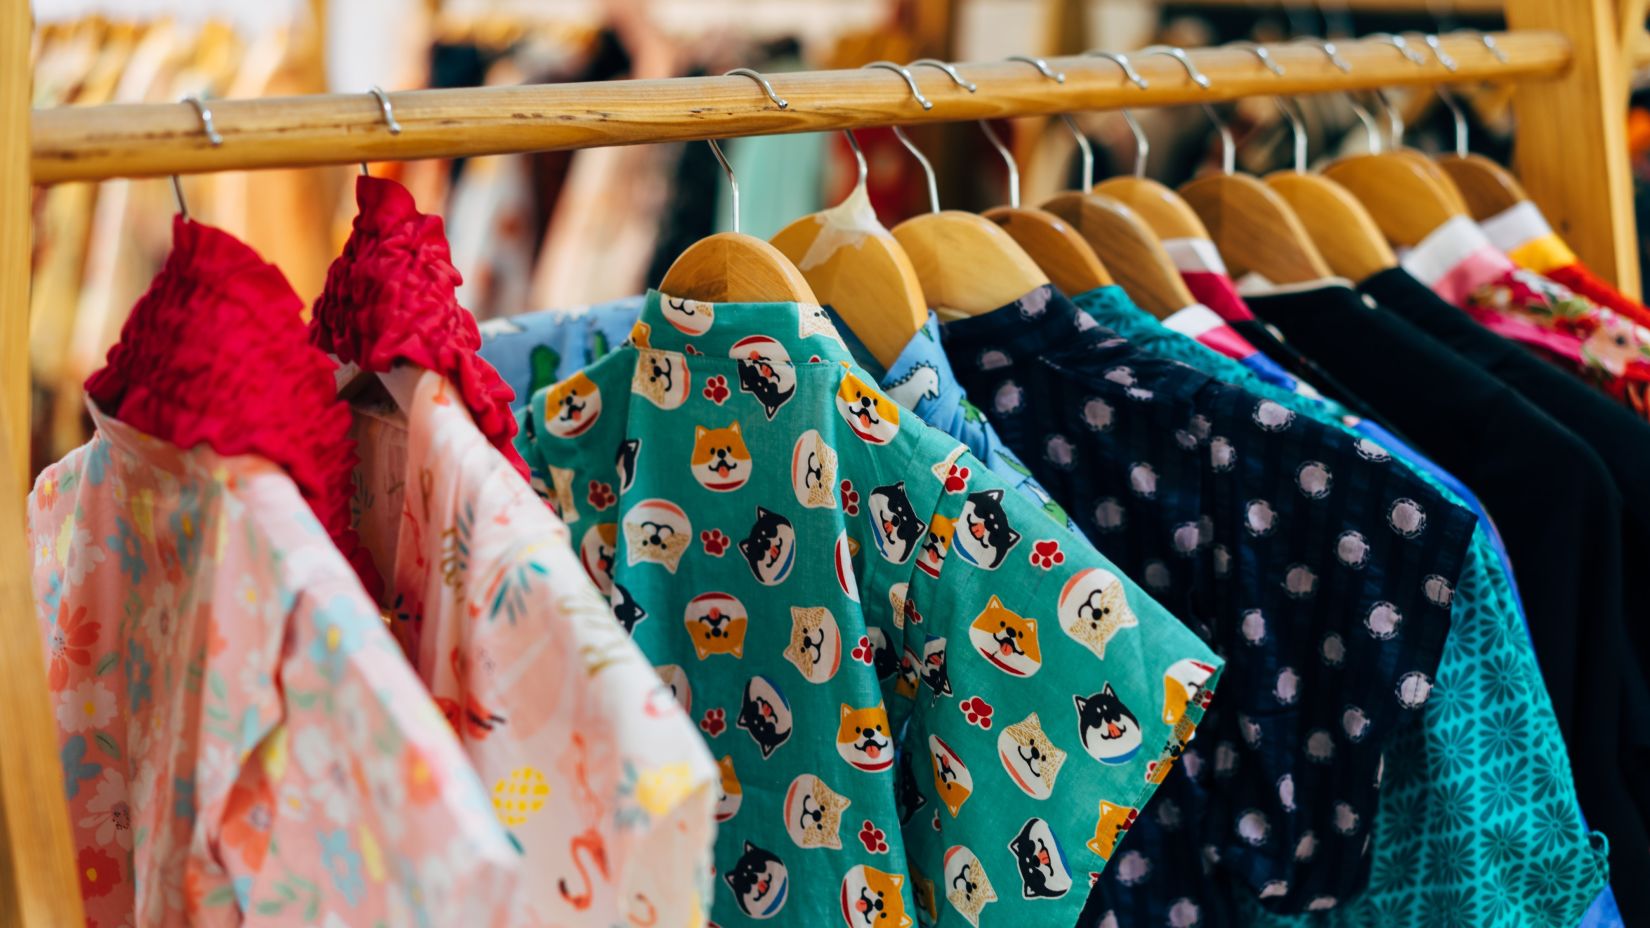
(1543, 254)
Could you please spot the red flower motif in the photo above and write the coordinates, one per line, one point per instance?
(1046, 554)
(874, 839)
(70, 643)
(716, 389)
(716, 543)
(715, 722)
(850, 498)
(99, 872)
(977, 711)
(863, 652)
(601, 495)
(957, 480)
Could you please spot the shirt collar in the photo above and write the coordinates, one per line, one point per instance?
(1455, 259)
(800, 333)
(909, 384)
(1041, 322)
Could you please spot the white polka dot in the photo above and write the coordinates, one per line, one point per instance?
(1253, 827)
(1222, 456)
(1314, 480)
(1320, 746)
(1251, 731)
(1158, 577)
(1109, 514)
(1121, 375)
(1223, 561)
(1200, 426)
(1084, 322)
(1440, 591)
(1355, 723)
(1370, 451)
(1383, 620)
(1286, 792)
(1143, 480)
(1346, 820)
(1133, 869)
(1273, 417)
(1287, 686)
(1192, 762)
(1273, 889)
(1333, 650)
(1259, 518)
(1184, 914)
(1353, 549)
(991, 359)
(1009, 398)
(1407, 518)
(1254, 626)
(1186, 537)
(1109, 920)
(1413, 689)
(1168, 813)
(1060, 451)
(1186, 440)
(1211, 856)
(1321, 904)
(1299, 581)
(1226, 758)
(1097, 413)
(1307, 847)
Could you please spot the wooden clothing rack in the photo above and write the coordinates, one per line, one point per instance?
(1571, 152)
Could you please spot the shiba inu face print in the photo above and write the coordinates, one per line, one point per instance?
(731, 795)
(760, 882)
(770, 548)
(932, 669)
(596, 552)
(1093, 609)
(716, 622)
(691, 317)
(765, 714)
(572, 406)
(952, 780)
(984, 536)
(894, 525)
(813, 813)
(872, 899)
(765, 372)
(662, 377)
(1031, 759)
(625, 462)
(1043, 871)
(813, 471)
(721, 462)
(1114, 821)
(967, 887)
(657, 531)
(864, 739)
(815, 649)
(872, 416)
(625, 608)
(1006, 639)
(936, 545)
(1108, 730)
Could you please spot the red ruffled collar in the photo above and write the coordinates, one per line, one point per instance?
(392, 296)
(216, 353)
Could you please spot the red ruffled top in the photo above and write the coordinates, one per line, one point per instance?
(392, 296)
(216, 353)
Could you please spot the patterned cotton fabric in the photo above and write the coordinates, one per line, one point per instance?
(1480, 650)
(1330, 603)
(240, 735)
(598, 776)
(534, 350)
(951, 718)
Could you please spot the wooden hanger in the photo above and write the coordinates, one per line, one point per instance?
(859, 269)
(1137, 258)
(966, 264)
(1487, 188)
(1401, 192)
(1065, 256)
(732, 267)
(1165, 211)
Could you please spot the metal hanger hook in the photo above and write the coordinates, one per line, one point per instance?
(950, 71)
(899, 133)
(1008, 159)
(767, 88)
(1178, 54)
(1261, 52)
(1444, 58)
(1142, 145)
(388, 112)
(859, 158)
(1448, 98)
(1330, 51)
(1373, 128)
(1083, 144)
(1122, 61)
(1400, 43)
(733, 182)
(1394, 119)
(1297, 128)
(212, 136)
(1228, 147)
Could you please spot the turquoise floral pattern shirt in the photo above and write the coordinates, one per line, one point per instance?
(930, 703)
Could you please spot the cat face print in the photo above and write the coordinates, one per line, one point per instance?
(1042, 864)
(894, 525)
(765, 714)
(813, 813)
(1108, 730)
(1031, 759)
(720, 461)
(572, 406)
(984, 536)
(760, 882)
(770, 547)
(1006, 639)
(765, 372)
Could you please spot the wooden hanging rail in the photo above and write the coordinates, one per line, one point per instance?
(151, 140)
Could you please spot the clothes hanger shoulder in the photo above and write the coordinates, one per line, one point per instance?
(1065, 256)
(1162, 209)
(966, 264)
(1488, 188)
(731, 267)
(1405, 199)
(857, 267)
(1136, 255)
(1255, 229)
(1344, 232)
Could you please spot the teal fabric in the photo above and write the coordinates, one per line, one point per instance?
(1479, 823)
(949, 720)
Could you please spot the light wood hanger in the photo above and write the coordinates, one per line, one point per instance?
(1488, 188)
(1255, 229)
(732, 267)
(966, 264)
(1064, 255)
(1164, 210)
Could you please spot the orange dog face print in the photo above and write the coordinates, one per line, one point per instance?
(716, 622)
(572, 406)
(872, 899)
(721, 462)
(951, 777)
(1108, 831)
(732, 795)
(863, 738)
(1006, 639)
(871, 416)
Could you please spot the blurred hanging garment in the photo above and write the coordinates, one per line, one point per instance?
(239, 731)
(599, 777)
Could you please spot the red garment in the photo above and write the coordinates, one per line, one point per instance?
(1578, 278)
(216, 353)
(391, 297)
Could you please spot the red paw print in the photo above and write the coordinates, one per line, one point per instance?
(1046, 554)
(715, 722)
(863, 652)
(850, 498)
(716, 389)
(873, 838)
(977, 711)
(716, 543)
(689, 349)
(911, 613)
(601, 495)
(957, 480)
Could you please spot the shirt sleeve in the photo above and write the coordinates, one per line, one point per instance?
(1058, 696)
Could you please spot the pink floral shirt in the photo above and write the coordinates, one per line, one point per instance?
(595, 770)
(241, 739)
